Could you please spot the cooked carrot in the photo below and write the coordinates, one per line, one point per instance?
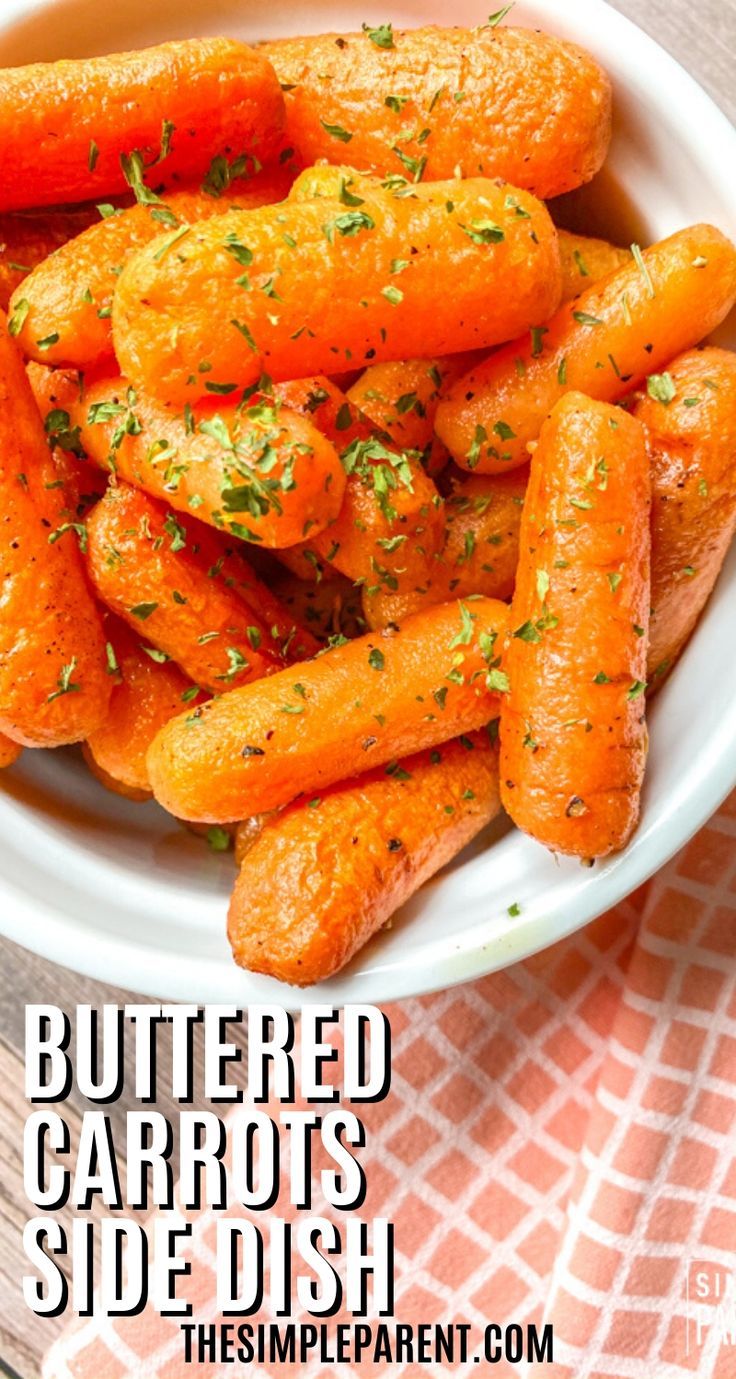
(357, 705)
(129, 792)
(53, 683)
(275, 289)
(689, 415)
(27, 238)
(328, 607)
(9, 751)
(84, 482)
(483, 521)
(439, 103)
(148, 691)
(401, 397)
(391, 520)
(581, 257)
(479, 556)
(63, 305)
(303, 562)
(604, 344)
(583, 260)
(174, 582)
(573, 733)
(586, 260)
(182, 109)
(255, 469)
(326, 874)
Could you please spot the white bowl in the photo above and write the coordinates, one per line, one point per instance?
(120, 892)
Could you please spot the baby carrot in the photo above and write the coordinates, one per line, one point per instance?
(9, 751)
(479, 556)
(391, 520)
(275, 289)
(53, 683)
(573, 734)
(250, 467)
(172, 581)
(327, 607)
(138, 794)
(303, 562)
(148, 690)
(63, 306)
(441, 102)
(27, 238)
(325, 874)
(585, 261)
(361, 704)
(401, 397)
(481, 551)
(604, 344)
(689, 415)
(82, 128)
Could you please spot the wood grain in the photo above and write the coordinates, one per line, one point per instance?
(703, 38)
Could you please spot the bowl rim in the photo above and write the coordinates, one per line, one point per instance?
(47, 931)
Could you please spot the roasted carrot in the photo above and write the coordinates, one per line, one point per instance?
(438, 103)
(391, 520)
(251, 467)
(573, 733)
(63, 305)
(275, 289)
(53, 683)
(27, 238)
(479, 555)
(184, 589)
(324, 875)
(148, 690)
(689, 415)
(604, 344)
(9, 751)
(361, 704)
(82, 128)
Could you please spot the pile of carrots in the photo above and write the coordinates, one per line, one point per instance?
(345, 498)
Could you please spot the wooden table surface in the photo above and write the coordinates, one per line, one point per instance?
(703, 37)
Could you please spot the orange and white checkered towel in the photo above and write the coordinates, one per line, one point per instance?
(558, 1143)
